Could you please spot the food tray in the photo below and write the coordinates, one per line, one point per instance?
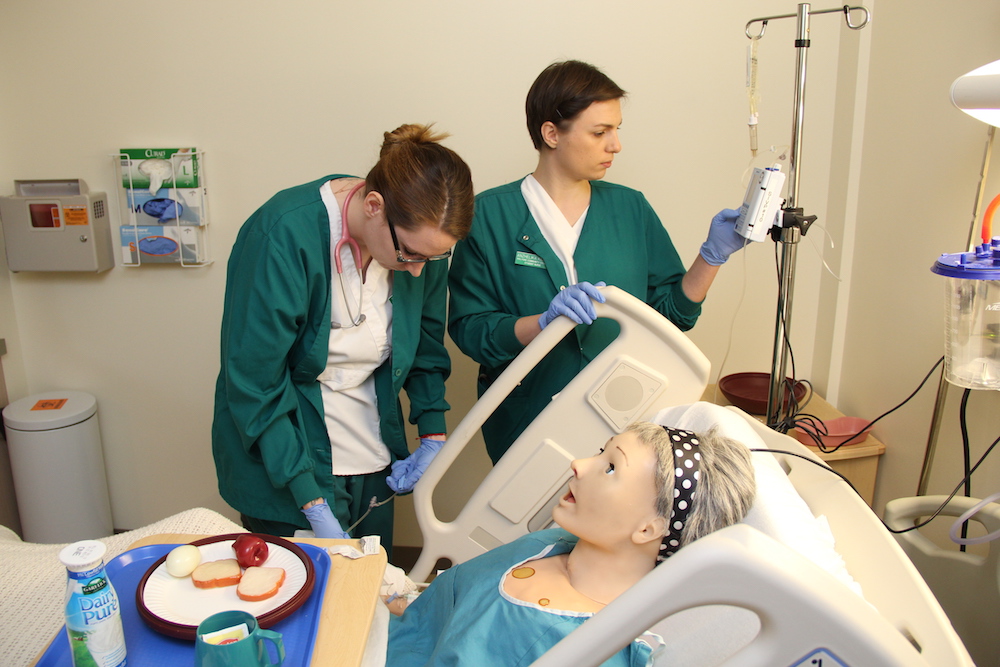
(148, 648)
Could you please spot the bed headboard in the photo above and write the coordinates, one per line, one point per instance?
(8, 503)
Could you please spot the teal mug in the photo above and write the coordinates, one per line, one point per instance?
(244, 643)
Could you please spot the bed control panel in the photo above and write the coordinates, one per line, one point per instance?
(624, 393)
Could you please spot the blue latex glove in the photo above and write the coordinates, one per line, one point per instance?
(323, 523)
(406, 472)
(575, 302)
(723, 240)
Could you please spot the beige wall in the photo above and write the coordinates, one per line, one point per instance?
(279, 94)
(919, 170)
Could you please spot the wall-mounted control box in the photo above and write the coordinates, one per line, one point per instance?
(56, 225)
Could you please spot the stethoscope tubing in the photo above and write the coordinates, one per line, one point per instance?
(345, 237)
(345, 234)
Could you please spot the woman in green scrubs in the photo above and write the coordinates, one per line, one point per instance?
(335, 302)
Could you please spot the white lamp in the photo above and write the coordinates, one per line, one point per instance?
(978, 93)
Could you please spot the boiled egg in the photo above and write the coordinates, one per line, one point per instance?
(182, 560)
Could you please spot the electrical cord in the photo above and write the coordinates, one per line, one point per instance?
(966, 457)
(788, 398)
(818, 427)
(915, 526)
(815, 463)
(815, 427)
(795, 415)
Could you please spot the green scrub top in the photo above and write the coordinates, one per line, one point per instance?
(505, 270)
(269, 438)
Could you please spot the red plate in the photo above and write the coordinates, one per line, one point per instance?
(165, 603)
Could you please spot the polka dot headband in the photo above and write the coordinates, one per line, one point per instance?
(687, 460)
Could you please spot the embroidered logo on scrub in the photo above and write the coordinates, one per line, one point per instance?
(529, 259)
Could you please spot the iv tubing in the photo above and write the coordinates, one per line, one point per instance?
(752, 92)
(953, 532)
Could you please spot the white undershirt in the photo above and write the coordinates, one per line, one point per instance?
(348, 383)
(561, 236)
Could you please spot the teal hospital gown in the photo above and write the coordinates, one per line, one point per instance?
(464, 618)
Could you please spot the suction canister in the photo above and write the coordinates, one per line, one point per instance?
(972, 319)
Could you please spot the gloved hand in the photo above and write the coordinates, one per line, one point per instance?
(323, 523)
(723, 240)
(406, 472)
(575, 302)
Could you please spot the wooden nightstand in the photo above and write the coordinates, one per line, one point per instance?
(858, 463)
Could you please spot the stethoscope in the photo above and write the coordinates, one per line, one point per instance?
(345, 237)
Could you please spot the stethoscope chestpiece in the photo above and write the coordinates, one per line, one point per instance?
(338, 325)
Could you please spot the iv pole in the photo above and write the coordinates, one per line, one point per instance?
(794, 224)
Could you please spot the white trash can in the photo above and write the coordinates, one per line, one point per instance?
(57, 463)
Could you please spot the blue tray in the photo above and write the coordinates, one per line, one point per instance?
(148, 648)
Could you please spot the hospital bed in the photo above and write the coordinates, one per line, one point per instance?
(769, 591)
(966, 584)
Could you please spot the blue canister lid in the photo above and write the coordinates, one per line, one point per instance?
(982, 264)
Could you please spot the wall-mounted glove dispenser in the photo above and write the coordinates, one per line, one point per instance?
(56, 225)
(165, 207)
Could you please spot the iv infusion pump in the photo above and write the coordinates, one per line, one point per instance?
(761, 204)
(56, 225)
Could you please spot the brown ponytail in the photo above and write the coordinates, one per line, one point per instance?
(422, 182)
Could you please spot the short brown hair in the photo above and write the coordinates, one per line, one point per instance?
(423, 182)
(562, 91)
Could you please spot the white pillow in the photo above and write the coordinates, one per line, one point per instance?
(709, 635)
(778, 511)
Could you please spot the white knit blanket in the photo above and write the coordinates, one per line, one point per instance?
(34, 581)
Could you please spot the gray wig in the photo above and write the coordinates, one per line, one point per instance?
(726, 488)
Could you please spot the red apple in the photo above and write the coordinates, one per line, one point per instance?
(251, 551)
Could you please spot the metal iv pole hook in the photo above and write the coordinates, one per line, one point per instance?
(846, 9)
(763, 27)
(864, 21)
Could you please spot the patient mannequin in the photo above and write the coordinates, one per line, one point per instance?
(622, 515)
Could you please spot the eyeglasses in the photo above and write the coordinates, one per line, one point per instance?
(412, 260)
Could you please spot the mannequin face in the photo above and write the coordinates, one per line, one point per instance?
(587, 147)
(611, 495)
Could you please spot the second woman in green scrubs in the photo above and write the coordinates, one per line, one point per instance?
(540, 244)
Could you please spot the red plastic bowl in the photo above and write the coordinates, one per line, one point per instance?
(838, 430)
(748, 391)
